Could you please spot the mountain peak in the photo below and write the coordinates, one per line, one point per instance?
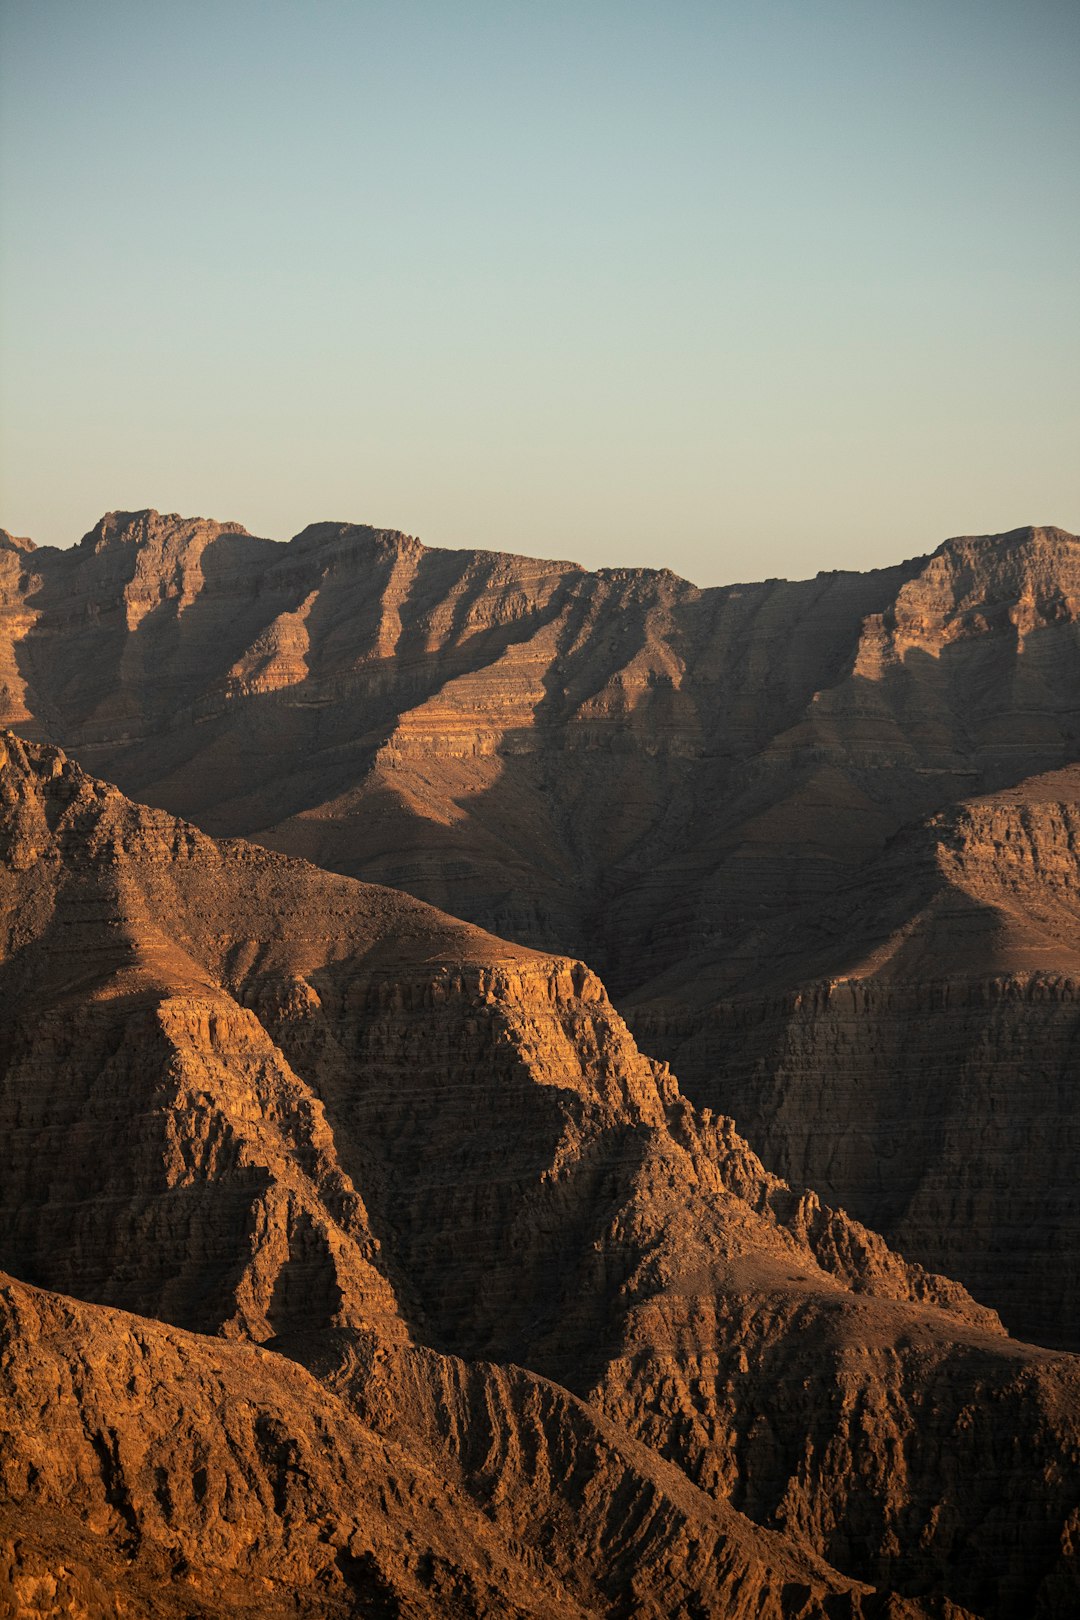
(138, 527)
(15, 542)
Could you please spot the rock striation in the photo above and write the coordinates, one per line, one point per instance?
(722, 799)
(361, 1263)
(150, 1471)
(921, 1074)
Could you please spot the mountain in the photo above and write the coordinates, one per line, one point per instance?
(817, 837)
(924, 1067)
(361, 1264)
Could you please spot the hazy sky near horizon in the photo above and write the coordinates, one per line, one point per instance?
(739, 289)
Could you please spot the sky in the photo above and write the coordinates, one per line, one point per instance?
(740, 288)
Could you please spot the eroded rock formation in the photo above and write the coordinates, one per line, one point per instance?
(501, 1323)
(817, 837)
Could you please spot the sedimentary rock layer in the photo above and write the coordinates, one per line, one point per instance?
(705, 793)
(922, 1073)
(499, 1317)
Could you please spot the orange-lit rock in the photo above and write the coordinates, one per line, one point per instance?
(713, 796)
(501, 1323)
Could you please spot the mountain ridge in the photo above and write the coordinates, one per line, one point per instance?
(465, 1256)
(688, 789)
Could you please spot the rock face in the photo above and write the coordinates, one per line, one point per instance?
(151, 1471)
(501, 1324)
(923, 1073)
(817, 837)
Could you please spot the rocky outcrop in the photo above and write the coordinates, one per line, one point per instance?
(921, 1076)
(501, 1318)
(148, 1471)
(712, 796)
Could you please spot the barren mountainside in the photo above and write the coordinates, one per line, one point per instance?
(361, 1264)
(819, 838)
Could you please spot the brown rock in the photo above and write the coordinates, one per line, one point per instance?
(921, 1076)
(245, 1095)
(692, 789)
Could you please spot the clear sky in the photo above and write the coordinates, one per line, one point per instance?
(741, 288)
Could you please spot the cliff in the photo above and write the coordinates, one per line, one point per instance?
(713, 796)
(922, 1074)
(501, 1323)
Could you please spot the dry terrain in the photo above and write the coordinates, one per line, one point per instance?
(817, 838)
(360, 1264)
(358, 1261)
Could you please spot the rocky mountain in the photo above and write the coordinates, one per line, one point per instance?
(924, 1068)
(817, 837)
(361, 1264)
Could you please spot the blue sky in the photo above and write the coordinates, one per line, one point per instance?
(735, 288)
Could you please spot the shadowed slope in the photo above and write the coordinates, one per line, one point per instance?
(291, 1108)
(689, 788)
(618, 762)
(178, 1475)
(922, 1075)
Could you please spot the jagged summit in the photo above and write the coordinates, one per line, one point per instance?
(140, 526)
(15, 542)
(1028, 577)
(143, 525)
(1026, 534)
(692, 790)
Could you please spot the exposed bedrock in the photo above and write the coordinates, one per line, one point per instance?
(569, 1346)
(922, 1076)
(713, 796)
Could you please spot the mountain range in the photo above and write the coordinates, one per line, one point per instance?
(342, 1199)
(818, 838)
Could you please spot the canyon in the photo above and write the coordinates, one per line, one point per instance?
(467, 1023)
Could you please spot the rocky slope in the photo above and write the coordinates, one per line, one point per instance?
(502, 1324)
(618, 759)
(922, 1073)
(714, 796)
(149, 1471)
